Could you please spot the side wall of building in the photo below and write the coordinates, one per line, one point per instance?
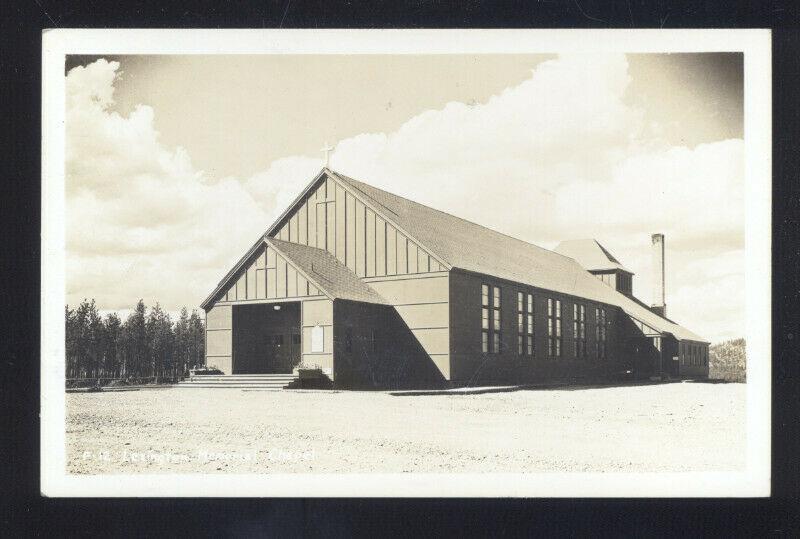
(219, 338)
(317, 316)
(422, 303)
(469, 364)
(693, 358)
(375, 349)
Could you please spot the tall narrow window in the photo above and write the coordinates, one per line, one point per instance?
(484, 318)
(520, 323)
(529, 326)
(496, 322)
(554, 327)
(579, 329)
(576, 341)
(600, 332)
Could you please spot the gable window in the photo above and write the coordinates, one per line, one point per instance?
(490, 319)
(553, 327)
(600, 332)
(579, 329)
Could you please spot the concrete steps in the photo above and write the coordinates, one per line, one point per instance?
(238, 381)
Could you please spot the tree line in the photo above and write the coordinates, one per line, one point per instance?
(728, 361)
(147, 345)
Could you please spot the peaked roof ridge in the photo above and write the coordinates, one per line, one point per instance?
(606, 252)
(590, 254)
(450, 215)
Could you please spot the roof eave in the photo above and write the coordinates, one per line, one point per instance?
(250, 252)
(274, 227)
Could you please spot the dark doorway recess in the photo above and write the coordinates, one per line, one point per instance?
(266, 338)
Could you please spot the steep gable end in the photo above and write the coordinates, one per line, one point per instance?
(267, 274)
(359, 233)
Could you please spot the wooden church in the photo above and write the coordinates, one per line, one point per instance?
(379, 291)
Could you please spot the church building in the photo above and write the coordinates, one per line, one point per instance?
(378, 291)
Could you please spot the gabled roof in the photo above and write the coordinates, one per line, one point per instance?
(472, 247)
(320, 267)
(590, 254)
(456, 243)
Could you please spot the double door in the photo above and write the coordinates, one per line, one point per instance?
(280, 352)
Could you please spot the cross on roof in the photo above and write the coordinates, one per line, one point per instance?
(327, 149)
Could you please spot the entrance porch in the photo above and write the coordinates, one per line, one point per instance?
(266, 338)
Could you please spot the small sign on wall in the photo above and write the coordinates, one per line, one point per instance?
(317, 339)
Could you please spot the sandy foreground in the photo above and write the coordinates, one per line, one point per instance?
(671, 427)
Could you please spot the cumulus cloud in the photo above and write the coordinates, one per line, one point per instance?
(141, 221)
(561, 155)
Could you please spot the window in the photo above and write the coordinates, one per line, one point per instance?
(484, 318)
(529, 325)
(490, 319)
(600, 332)
(520, 323)
(579, 329)
(554, 327)
(373, 339)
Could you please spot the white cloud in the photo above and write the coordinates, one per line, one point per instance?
(141, 222)
(559, 156)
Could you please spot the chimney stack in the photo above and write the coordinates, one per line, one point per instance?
(658, 306)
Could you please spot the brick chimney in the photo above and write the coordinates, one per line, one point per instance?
(658, 306)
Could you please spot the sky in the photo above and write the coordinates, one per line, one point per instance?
(176, 164)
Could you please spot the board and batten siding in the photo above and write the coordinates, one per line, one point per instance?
(268, 276)
(330, 217)
(422, 302)
(219, 338)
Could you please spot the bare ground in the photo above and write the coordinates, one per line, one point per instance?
(670, 427)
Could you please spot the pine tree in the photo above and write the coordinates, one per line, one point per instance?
(135, 345)
(113, 332)
(95, 340)
(71, 334)
(182, 343)
(197, 340)
(161, 341)
(146, 345)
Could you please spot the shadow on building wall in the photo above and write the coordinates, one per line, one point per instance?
(375, 349)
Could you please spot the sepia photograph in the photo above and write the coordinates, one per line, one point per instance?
(503, 263)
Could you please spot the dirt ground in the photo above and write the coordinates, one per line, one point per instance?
(670, 427)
